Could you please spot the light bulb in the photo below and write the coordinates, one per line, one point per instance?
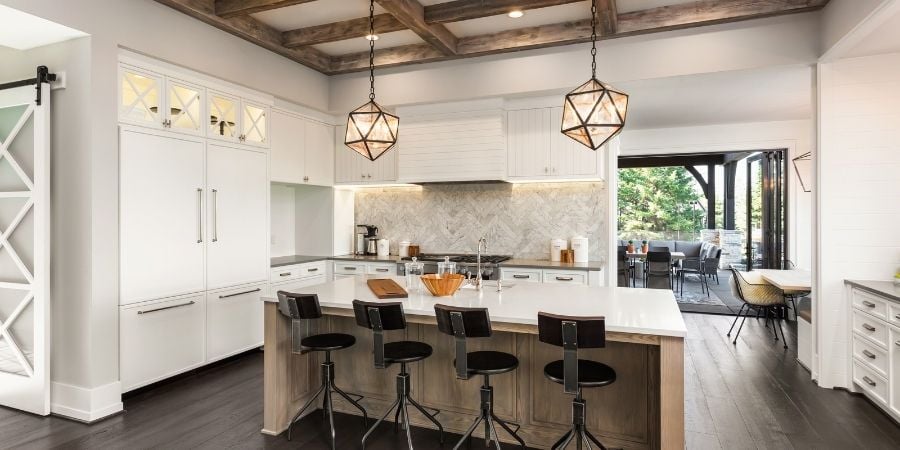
(516, 13)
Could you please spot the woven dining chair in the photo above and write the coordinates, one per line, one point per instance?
(758, 296)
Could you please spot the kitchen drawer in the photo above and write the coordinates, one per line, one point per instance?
(284, 273)
(527, 275)
(349, 268)
(875, 386)
(296, 286)
(874, 329)
(872, 356)
(382, 269)
(313, 269)
(894, 313)
(894, 372)
(562, 276)
(869, 303)
(159, 339)
(234, 321)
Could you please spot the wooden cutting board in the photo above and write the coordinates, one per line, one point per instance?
(384, 288)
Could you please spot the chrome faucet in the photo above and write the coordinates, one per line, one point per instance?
(482, 243)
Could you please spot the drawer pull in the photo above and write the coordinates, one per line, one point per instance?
(869, 381)
(349, 268)
(868, 354)
(522, 276)
(868, 304)
(897, 343)
(868, 327)
(897, 317)
(167, 307)
(564, 278)
(285, 274)
(240, 293)
(314, 269)
(381, 270)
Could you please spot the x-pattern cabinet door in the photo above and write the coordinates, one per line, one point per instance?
(185, 107)
(140, 97)
(224, 114)
(254, 124)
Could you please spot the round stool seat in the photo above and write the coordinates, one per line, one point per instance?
(590, 373)
(328, 342)
(406, 351)
(490, 363)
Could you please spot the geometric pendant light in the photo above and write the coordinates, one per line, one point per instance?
(370, 130)
(594, 112)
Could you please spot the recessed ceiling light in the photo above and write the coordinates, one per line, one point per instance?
(371, 37)
(516, 13)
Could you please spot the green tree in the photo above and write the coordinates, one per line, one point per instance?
(654, 200)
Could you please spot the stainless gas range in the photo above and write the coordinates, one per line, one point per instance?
(465, 264)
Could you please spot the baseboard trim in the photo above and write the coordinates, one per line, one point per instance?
(83, 404)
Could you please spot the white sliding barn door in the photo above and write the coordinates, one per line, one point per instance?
(24, 249)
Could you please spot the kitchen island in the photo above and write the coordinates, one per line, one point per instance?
(644, 408)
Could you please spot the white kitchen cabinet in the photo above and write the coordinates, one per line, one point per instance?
(349, 268)
(538, 150)
(254, 124)
(565, 276)
(237, 233)
(383, 269)
(184, 106)
(234, 321)
(234, 119)
(319, 154)
(141, 99)
(875, 348)
(160, 339)
(353, 168)
(562, 276)
(523, 275)
(288, 148)
(296, 286)
(162, 198)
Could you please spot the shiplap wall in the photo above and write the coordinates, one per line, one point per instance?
(859, 194)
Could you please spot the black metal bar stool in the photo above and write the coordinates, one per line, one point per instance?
(380, 317)
(462, 323)
(299, 307)
(572, 333)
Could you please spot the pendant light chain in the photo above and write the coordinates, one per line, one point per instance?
(372, 50)
(594, 39)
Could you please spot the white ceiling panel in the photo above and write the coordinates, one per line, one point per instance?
(360, 44)
(532, 18)
(315, 13)
(22, 31)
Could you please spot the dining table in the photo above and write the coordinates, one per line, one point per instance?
(789, 281)
(676, 256)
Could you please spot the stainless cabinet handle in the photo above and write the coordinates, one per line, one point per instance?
(522, 277)
(200, 215)
(215, 221)
(349, 268)
(868, 354)
(285, 274)
(240, 293)
(868, 304)
(870, 382)
(897, 343)
(564, 278)
(167, 307)
(314, 269)
(868, 327)
(305, 178)
(546, 169)
(381, 270)
(897, 317)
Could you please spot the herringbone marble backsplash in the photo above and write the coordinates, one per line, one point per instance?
(518, 220)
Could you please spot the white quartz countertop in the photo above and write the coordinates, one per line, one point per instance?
(627, 310)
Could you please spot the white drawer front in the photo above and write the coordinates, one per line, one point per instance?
(894, 350)
(894, 313)
(159, 339)
(349, 268)
(284, 273)
(234, 321)
(561, 276)
(382, 269)
(873, 385)
(296, 286)
(874, 329)
(871, 355)
(526, 275)
(312, 269)
(869, 303)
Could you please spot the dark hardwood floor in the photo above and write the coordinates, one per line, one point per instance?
(753, 395)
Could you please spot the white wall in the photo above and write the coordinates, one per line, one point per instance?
(858, 199)
(797, 136)
(840, 17)
(752, 44)
(284, 221)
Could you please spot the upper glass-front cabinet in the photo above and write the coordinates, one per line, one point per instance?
(254, 124)
(185, 107)
(223, 117)
(140, 101)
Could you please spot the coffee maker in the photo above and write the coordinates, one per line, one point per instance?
(366, 239)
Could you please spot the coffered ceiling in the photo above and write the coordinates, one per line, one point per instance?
(329, 35)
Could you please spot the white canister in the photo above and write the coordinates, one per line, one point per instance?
(557, 246)
(384, 248)
(580, 245)
(403, 249)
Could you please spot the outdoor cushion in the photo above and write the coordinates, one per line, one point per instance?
(669, 244)
(690, 249)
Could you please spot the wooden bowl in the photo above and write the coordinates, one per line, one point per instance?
(443, 286)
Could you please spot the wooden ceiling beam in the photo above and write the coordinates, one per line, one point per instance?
(387, 57)
(652, 20)
(459, 10)
(235, 8)
(607, 17)
(252, 30)
(339, 31)
(412, 14)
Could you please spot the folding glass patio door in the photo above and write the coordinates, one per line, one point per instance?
(766, 211)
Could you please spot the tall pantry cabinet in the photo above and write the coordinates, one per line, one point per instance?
(193, 223)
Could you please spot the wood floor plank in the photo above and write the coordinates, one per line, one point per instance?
(701, 441)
